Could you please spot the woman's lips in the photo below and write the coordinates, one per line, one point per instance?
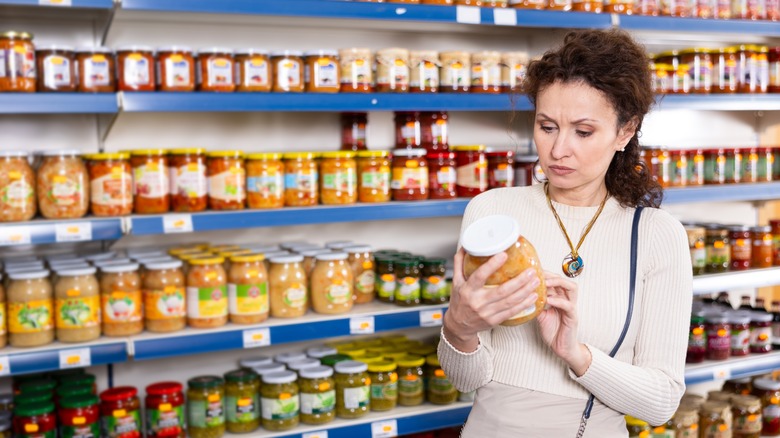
(561, 170)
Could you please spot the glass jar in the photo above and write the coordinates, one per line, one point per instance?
(226, 180)
(740, 242)
(242, 402)
(434, 131)
(206, 407)
(472, 170)
(441, 175)
(752, 69)
(361, 261)
(718, 248)
(111, 184)
(77, 305)
(207, 298)
(35, 420)
(357, 70)
(740, 334)
(373, 169)
(716, 419)
(440, 389)
(121, 299)
(434, 282)
(650, 8)
(280, 401)
(188, 180)
(501, 169)
(746, 411)
(62, 185)
(424, 71)
(253, 71)
(17, 187)
(301, 179)
(332, 284)
(587, 6)
(695, 172)
(411, 389)
(96, 70)
(407, 290)
(718, 337)
(338, 178)
(317, 394)
(769, 392)
(385, 278)
(353, 131)
(762, 248)
(514, 65)
(715, 166)
(30, 309)
(697, 340)
(455, 72)
(725, 75)
(321, 71)
(56, 68)
(265, 180)
(165, 410)
(19, 70)
(79, 416)
(151, 184)
(287, 71)
(486, 72)
(686, 421)
(559, 5)
(766, 163)
(410, 175)
(175, 69)
(677, 8)
(247, 290)
(659, 163)
(733, 166)
(760, 333)
(637, 428)
(774, 62)
(748, 10)
(384, 385)
(700, 66)
(696, 241)
(353, 389)
(120, 412)
(392, 70)
(408, 130)
(135, 68)
(775, 224)
(749, 165)
(288, 285)
(215, 70)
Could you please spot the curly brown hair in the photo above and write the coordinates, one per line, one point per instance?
(613, 63)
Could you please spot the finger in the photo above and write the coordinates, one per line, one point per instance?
(479, 277)
(562, 286)
(458, 278)
(510, 311)
(527, 281)
(563, 305)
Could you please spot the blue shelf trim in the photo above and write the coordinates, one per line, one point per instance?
(58, 103)
(720, 102)
(723, 193)
(746, 367)
(93, 4)
(45, 231)
(49, 360)
(673, 24)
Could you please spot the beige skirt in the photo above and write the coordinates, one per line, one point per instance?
(503, 411)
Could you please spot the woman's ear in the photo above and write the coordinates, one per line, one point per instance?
(626, 133)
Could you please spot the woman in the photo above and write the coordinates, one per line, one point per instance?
(533, 380)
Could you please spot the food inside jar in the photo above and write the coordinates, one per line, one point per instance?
(17, 187)
(62, 186)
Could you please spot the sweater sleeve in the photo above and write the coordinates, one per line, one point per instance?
(658, 368)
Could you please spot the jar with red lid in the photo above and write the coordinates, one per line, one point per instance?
(740, 333)
(695, 173)
(434, 131)
(175, 69)
(215, 70)
(35, 420)
(135, 68)
(761, 332)
(718, 337)
(775, 224)
(441, 175)
(354, 128)
(774, 65)
(472, 170)
(697, 340)
(79, 416)
(165, 410)
(410, 175)
(734, 158)
(227, 180)
(762, 250)
(120, 413)
(408, 132)
(741, 247)
(151, 189)
(715, 166)
(96, 70)
(766, 162)
(188, 180)
(501, 171)
(678, 163)
(56, 68)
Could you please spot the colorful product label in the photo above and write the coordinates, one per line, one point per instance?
(747, 424)
(228, 186)
(771, 412)
(206, 413)
(165, 304)
(697, 338)
(151, 181)
(122, 424)
(344, 181)
(473, 175)
(65, 191)
(357, 398)
(326, 74)
(77, 312)
(288, 74)
(283, 408)
(718, 254)
(426, 76)
(434, 287)
(119, 307)
(304, 181)
(409, 177)
(113, 189)
(407, 288)
(81, 431)
(35, 434)
(18, 193)
(97, 72)
(189, 180)
(718, 340)
(366, 282)
(378, 180)
(385, 391)
(513, 75)
(257, 73)
(137, 71)
(56, 71)
(488, 74)
(267, 186)
(177, 72)
(446, 177)
(219, 72)
(207, 302)
(242, 409)
(248, 299)
(319, 403)
(166, 420)
(440, 384)
(295, 296)
(740, 340)
(396, 74)
(503, 175)
(30, 317)
(386, 286)
(410, 386)
(357, 72)
(338, 292)
(761, 337)
(456, 75)
(21, 62)
(2, 318)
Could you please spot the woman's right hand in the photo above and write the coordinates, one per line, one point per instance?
(475, 308)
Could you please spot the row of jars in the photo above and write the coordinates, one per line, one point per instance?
(696, 167)
(428, 130)
(718, 334)
(759, 10)
(717, 248)
(728, 70)
(66, 185)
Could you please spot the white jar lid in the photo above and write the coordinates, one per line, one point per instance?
(321, 52)
(59, 268)
(280, 378)
(351, 367)
(300, 249)
(13, 154)
(320, 352)
(156, 266)
(303, 364)
(255, 361)
(767, 384)
(339, 244)
(122, 267)
(76, 271)
(320, 372)
(287, 259)
(293, 245)
(119, 261)
(27, 266)
(215, 50)
(490, 235)
(359, 248)
(314, 252)
(156, 259)
(409, 152)
(332, 256)
(761, 317)
(101, 256)
(269, 368)
(175, 49)
(29, 275)
(263, 248)
(289, 357)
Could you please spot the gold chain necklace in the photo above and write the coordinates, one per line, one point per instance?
(572, 264)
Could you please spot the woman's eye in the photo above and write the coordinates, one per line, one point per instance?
(547, 129)
(584, 134)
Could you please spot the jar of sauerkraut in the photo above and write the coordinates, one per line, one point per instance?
(77, 305)
(17, 187)
(331, 284)
(165, 302)
(361, 260)
(248, 289)
(288, 287)
(120, 290)
(207, 299)
(30, 309)
(63, 185)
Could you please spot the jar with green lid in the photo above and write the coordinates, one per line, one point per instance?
(79, 417)
(333, 359)
(407, 280)
(206, 407)
(40, 385)
(280, 401)
(434, 282)
(79, 380)
(318, 395)
(637, 428)
(353, 389)
(718, 249)
(73, 391)
(385, 278)
(242, 405)
(411, 387)
(33, 398)
(35, 420)
(384, 385)
(440, 389)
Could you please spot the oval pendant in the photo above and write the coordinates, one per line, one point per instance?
(572, 267)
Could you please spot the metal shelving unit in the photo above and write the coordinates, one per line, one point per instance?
(732, 368)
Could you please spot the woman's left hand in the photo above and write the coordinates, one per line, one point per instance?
(558, 323)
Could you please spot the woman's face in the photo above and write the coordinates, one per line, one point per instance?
(576, 135)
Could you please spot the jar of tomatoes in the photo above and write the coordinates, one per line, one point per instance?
(441, 175)
(35, 420)
(151, 186)
(762, 246)
(165, 410)
(111, 184)
(227, 180)
(175, 69)
(472, 170)
(215, 70)
(300, 179)
(96, 70)
(501, 169)
(17, 187)
(62, 185)
(434, 131)
(357, 70)
(338, 178)
(410, 175)
(188, 180)
(19, 70)
(121, 299)
(120, 413)
(135, 68)
(56, 68)
(253, 71)
(79, 416)
(373, 168)
(265, 180)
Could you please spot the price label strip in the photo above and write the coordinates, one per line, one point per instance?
(14, 236)
(73, 232)
(384, 429)
(62, 3)
(721, 373)
(76, 358)
(318, 434)
(468, 14)
(361, 325)
(431, 318)
(177, 223)
(505, 17)
(5, 366)
(257, 337)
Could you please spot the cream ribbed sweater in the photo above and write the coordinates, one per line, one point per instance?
(645, 379)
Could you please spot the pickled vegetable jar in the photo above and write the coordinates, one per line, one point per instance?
(353, 389)
(338, 178)
(135, 68)
(440, 389)
(55, 68)
(151, 184)
(373, 168)
(357, 70)
(697, 243)
(248, 289)
(423, 71)
(317, 394)
(175, 69)
(384, 385)
(164, 296)
(19, 71)
(215, 70)
(242, 403)
(288, 286)
(472, 170)
(434, 131)
(121, 298)
(411, 389)
(280, 401)
(30, 309)
(96, 70)
(227, 180)
(62, 185)
(746, 411)
(111, 184)
(410, 175)
(332, 284)
(265, 180)
(407, 290)
(79, 416)
(287, 71)
(361, 260)
(386, 278)
(718, 249)
(77, 305)
(253, 71)
(207, 298)
(300, 179)
(486, 72)
(206, 407)
(455, 73)
(434, 289)
(165, 410)
(392, 70)
(120, 413)
(17, 187)
(188, 180)
(35, 420)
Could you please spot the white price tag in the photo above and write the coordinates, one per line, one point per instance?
(384, 429)
(76, 358)
(319, 434)
(257, 337)
(177, 223)
(721, 373)
(431, 318)
(5, 366)
(361, 325)
(74, 232)
(64, 3)
(505, 17)
(468, 14)
(14, 235)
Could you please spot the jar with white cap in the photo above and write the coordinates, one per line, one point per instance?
(331, 284)
(121, 298)
(255, 361)
(77, 305)
(361, 260)
(300, 365)
(30, 309)
(279, 402)
(318, 395)
(164, 295)
(320, 352)
(353, 389)
(286, 358)
(288, 284)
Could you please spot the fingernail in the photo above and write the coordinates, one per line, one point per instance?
(535, 282)
(530, 272)
(534, 296)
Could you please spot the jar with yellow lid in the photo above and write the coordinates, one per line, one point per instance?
(186, 257)
(357, 70)
(288, 287)
(369, 358)
(440, 389)
(164, 296)
(338, 178)
(392, 70)
(301, 179)
(188, 179)
(322, 71)
(151, 181)
(351, 350)
(226, 180)
(353, 389)
(110, 184)
(637, 428)
(318, 395)
(411, 387)
(207, 298)
(384, 385)
(455, 72)
(373, 168)
(229, 253)
(280, 401)
(361, 260)
(265, 180)
(424, 71)
(20, 70)
(395, 355)
(331, 284)
(248, 301)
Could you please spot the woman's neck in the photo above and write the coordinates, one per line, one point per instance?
(583, 196)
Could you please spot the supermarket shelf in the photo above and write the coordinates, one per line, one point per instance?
(58, 103)
(363, 319)
(50, 231)
(723, 193)
(61, 356)
(672, 24)
(707, 284)
(732, 368)
(93, 4)
(720, 102)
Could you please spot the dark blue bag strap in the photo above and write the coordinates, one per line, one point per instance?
(629, 313)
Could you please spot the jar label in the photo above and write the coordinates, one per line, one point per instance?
(326, 74)
(386, 286)
(697, 338)
(318, 403)
(439, 132)
(661, 432)
(409, 178)
(2, 62)
(747, 423)
(21, 62)
(137, 71)
(395, 75)
(202, 413)
(121, 307)
(304, 181)
(257, 73)
(366, 282)
(761, 337)
(177, 72)
(77, 312)
(2, 318)
(741, 249)
(410, 386)
(17, 194)
(30, 317)
(407, 289)
(503, 176)
(207, 302)
(718, 340)
(64, 191)
(696, 172)
(189, 180)
(718, 254)
(440, 385)
(267, 186)
(771, 413)
(774, 74)
(434, 287)
(446, 178)
(125, 426)
(56, 71)
(338, 292)
(81, 431)
(248, 299)
(280, 409)
(410, 132)
(377, 180)
(288, 74)
(726, 75)
(344, 181)
(165, 304)
(219, 72)
(456, 75)
(486, 74)
(384, 391)
(295, 296)
(473, 175)
(513, 75)
(357, 73)
(740, 340)
(228, 186)
(113, 189)
(165, 423)
(96, 72)
(150, 181)
(242, 409)
(425, 76)
(356, 398)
